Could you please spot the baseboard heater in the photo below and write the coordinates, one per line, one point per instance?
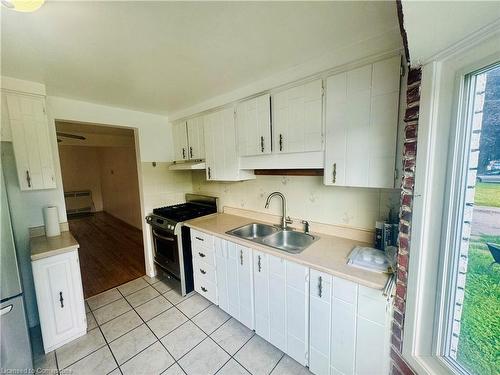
(79, 202)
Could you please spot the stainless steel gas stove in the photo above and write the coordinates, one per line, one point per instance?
(172, 240)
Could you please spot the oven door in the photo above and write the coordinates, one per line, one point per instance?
(166, 251)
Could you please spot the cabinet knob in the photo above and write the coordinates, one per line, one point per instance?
(28, 178)
(61, 300)
(204, 289)
(202, 255)
(203, 271)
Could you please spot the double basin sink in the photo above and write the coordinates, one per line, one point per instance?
(286, 240)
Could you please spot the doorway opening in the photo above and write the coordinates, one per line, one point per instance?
(101, 189)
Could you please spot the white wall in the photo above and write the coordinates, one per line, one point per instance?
(120, 184)
(80, 171)
(307, 198)
(155, 138)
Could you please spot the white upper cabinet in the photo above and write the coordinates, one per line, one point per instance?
(196, 140)
(179, 135)
(297, 118)
(222, 160)
(361, 125)
(253, 122)
(31, 140)
(188, 139)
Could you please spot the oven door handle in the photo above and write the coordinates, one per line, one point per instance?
(162, 237)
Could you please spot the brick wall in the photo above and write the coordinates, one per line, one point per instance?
(398, 365)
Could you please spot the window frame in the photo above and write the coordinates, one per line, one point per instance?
(444, 133)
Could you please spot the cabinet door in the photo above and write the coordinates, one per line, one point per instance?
(240, 283)
(220, 147)
(319, 333)
(196, 140)
(60, 299)
(253, 125)
(297, 118)
(221, 273)
(297, 311)
(261, 293)
(361, 125)
(179, 135)
(344, 304)
(373, 331)
(31, 141)
(245, 286)
(277, 302)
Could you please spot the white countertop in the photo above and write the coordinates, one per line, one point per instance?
(328, 254)
(44, 247)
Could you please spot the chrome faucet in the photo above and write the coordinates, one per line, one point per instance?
(285, 220)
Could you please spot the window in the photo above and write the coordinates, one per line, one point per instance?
(452, 314)
(471, 340)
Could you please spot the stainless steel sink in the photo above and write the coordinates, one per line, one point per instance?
(253, 231)
(286, 240)
(289, 241)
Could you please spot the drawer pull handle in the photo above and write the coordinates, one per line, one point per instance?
(259, 263)
(241, 257)
(202, 255)
(61, 300)
(204, 289)
(320, 287)
(334, 179)
(203, 271)
(199, 239)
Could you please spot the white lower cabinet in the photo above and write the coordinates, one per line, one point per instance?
(59, 296)
(205, 282)
(334, 326)
(281, 304)
(349, 327)
(235, 280)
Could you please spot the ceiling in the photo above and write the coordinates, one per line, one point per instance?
(433, 26)
(162, 57)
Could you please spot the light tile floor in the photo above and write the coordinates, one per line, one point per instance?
(147, 327)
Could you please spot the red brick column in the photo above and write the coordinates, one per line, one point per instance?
(399, 366)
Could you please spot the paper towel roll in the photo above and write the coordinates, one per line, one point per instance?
(51, 219)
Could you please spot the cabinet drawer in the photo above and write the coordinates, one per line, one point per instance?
(201, 240)
(345, 290)
(372, 305)
(204, 271)
(320, 285)
(204, 256)
(206, 289)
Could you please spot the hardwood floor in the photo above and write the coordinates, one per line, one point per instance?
(111, 252)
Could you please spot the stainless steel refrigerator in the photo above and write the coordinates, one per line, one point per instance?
(15, 348)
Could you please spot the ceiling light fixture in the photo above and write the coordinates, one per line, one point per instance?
(23, 5)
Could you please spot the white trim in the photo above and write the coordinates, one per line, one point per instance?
(468, 42)
(20, 85)
(441, 87)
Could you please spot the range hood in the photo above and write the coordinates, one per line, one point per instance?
(187, 165)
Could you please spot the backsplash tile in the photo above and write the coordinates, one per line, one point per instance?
(307, 198)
